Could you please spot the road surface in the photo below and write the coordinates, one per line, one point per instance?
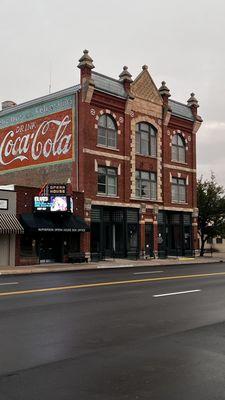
(137, 333)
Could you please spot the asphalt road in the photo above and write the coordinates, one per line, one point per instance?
(143, 333)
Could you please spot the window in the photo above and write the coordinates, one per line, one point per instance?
(107, 181)
(107, 131)
(178, 190)
(219, 240)
(145, 139)
(146, 185)
(210, 240)
(178, 149)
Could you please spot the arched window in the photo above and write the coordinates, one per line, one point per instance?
(178, 149)
(145, 139)
(107, 131)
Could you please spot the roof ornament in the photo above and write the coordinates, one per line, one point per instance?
(145, 67)
(86, 61)
(192, 101)
(125, 75)
(163, 90)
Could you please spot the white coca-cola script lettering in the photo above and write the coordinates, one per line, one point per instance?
(37, 144)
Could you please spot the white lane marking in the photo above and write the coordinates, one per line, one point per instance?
(9, 283)
(114, 266)
(147, 272)
(176, 293)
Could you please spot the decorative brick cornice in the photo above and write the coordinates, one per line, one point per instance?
(179, 168)
(197, 124)
(106, 154)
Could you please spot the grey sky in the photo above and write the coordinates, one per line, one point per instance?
(182, 42)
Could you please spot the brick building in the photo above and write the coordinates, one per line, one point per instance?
(127, 150)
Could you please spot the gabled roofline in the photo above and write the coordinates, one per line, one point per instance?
(106, 76)
(178, 102)
(48, 97)
(191, 118)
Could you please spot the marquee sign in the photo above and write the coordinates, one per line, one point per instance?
(38, 135)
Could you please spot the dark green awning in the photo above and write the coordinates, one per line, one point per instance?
(39, 222)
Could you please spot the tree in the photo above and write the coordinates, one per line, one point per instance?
(211, 205)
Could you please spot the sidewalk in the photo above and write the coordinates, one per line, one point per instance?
(109, 264)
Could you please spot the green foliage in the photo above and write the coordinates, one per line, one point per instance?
(211, 205)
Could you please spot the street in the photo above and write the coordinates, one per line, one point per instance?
(134, 333)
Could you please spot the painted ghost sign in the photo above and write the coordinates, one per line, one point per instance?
(37, 135)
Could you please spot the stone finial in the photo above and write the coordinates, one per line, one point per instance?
(86, 61)
(193, 102)
(125, 75)
(163, 90)
(144, 67)
(8, 104)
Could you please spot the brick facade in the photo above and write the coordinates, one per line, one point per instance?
(128, 103)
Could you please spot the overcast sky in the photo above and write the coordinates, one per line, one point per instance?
(182, 42)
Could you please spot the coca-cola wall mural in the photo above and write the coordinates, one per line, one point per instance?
(41, 134)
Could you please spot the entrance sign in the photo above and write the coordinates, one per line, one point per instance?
(37, 135)
(56, 189)
(53, 204)
(58, 203)
(41, 203)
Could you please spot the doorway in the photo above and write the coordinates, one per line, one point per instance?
(50, 248)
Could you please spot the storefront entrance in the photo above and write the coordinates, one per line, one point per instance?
(50, 248)
(50, 238)
(114, 232)
(174, 234)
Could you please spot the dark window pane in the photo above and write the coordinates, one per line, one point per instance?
(181, 154)
(110, 123)
(101, 170)
(138, 143)
(144, 127)
(102, 121)
(111, 171)
(107, 131)
(146, 142)
(153, 190)
(145, 189)
(144, 175)
(101, 188)
(178, 149)
(153, 146)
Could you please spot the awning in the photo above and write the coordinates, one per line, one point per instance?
(53, 223)
(9, 224)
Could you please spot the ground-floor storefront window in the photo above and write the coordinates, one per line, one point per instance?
(174, 234)
(48, 247)
(114, 232)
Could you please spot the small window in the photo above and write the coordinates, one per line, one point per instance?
(107, 131)
(219, 240)
(107, 181)
(146, 185)
(210, 240)
(178, 190)
(178, 149)
(145, 139)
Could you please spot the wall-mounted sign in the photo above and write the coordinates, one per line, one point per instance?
(3, 204)
(58, 203)
(41, 203)
(56, 189)
(53, 203)
(37, 135)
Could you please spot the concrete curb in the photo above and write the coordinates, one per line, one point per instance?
(51, 268)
